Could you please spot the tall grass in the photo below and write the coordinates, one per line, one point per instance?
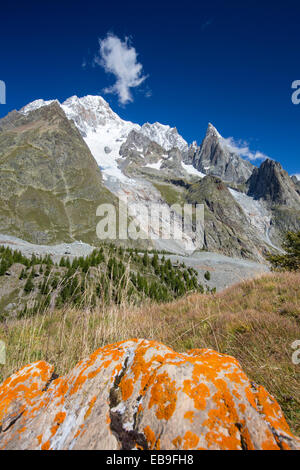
(256, 321)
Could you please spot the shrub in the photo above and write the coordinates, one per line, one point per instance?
(290, 260)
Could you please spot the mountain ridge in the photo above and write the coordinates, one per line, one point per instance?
(152, 164)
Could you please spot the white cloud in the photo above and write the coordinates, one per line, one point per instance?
(242, 149)
(120, 59)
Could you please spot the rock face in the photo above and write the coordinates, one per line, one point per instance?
(166, 136)
(213, 157)
(273, 184)
(138, 152)
(296, 183)
(50, 184)
(139, 147)
(227, 228)
(140, 394)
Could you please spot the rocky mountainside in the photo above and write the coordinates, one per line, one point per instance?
(147, 397)
(273, 184)
(99, 157)
(226, 224)
(296, 182)
(50, 183)
(215, 158)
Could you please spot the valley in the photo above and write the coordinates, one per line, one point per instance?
(140, 314)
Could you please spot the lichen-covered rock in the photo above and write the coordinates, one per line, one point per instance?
(140, 394)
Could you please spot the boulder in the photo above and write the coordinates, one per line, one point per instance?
(140, 394)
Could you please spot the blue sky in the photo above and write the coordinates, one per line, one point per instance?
(226, 62)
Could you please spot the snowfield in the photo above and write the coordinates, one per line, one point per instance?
(257, 214)
(191, 170)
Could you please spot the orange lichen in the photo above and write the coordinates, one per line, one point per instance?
(126, 386)
(198, 392)
(264, 403)
(164, 396)
(78, 431)
(269, 443)
(242, 407)
(46, 445)
(91, 404)
(177, 442)
(215, 395)
(191, 440)
(22, 429)
(223, 417)
(140, 409)
(189, 415)
(248, 444)
(24, 387)
(58, 420)
(150, 437)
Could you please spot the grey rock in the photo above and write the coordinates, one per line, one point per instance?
(273, 184)
(213, 157)
(50, 184)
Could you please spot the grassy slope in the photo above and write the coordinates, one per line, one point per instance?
(255, 321)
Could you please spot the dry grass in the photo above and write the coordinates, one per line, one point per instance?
(255, 321)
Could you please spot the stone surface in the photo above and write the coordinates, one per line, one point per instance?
(140, 394)
(215, 158)
(226, 229)
(50, 184)
(273, 184)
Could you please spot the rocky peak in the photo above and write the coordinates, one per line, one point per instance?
(36, 105)
(89, 112)
(188, 155)
(273, 184)
(166, 136)
(215, 158)
(139, 144)
(212, 131)
(296, 182)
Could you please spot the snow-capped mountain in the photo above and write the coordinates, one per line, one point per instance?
(166, 136)
(152, 163)
(36, 105)
(104, 131)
